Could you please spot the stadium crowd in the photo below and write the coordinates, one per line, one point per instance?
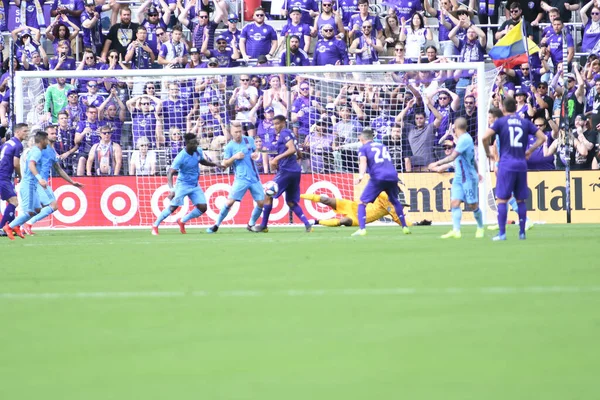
(110, 126)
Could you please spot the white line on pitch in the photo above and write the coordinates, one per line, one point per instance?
(450, 291)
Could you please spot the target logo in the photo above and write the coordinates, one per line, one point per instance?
(119, 204)
(160, 201)
(72, 204)
(317, 210)
(216, 196)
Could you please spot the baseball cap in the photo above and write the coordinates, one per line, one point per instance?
(570, 76)
(72, 91)
(520, 92)
(295, 9)
(221, 37)
(213, 61)
(233, 17)
(152, 10)
(194, 50)
(262, 59)
(215, 100)
(269, 109)
(583, 117)
(327, 2)
(90, 3)
(448, 142)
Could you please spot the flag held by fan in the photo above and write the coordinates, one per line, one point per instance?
(513, 49)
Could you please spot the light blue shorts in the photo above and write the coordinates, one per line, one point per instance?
(30, 200)
(239, 188)
(466, 191)
(195, 194)
(46, 196)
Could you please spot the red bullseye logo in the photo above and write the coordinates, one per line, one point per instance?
(119, 204)
(216, 196)
(72, 204)
(160, 201)
(318, 210)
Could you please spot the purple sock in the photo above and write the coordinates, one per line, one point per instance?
(362, 215)
(300, 214)
(502, 213)
(522, 216)
(9, 215)
(266, 212)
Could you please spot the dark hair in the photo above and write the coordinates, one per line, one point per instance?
(57, 28)
(420, 19)
(188, 137)
(510, 105)
(496, 112)
(62, 113)
(363, 2)
(258, 9)
(470, 96)
(279, 118)
(142, 28)
(514, 5)
(368, 133)
(177, 28)
(40, 136)
(20, 126)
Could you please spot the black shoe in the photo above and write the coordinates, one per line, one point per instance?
(212, 229)
(249, 227)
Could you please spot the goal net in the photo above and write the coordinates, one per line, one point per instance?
(128, 126)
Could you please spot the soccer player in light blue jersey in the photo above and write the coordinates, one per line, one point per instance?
(240, 153)
(30, 203)
(46, 195)
(465, 182)
(186, 163)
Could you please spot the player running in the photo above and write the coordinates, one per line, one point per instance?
(28, 189)
(288, 175)
(186, 163)
(513, 133)
(349, 209)
(240, 153)
(465, 182)
(10, 164)
(383, 177)
(46, 196)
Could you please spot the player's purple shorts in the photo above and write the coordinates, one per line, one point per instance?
(374, 189)
(511, 182)
(7, 190)
(289, 183)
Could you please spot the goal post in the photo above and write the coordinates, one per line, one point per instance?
(136, 199)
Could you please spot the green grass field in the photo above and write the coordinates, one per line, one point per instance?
(289, 315)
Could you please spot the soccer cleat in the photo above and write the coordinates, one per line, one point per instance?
(360, 232)
(27, 228)
(309, 228)
(479, 233)
(155, 230)
(499, 237)
(406, 230)
(18, 231)
(181, 226)
(529, 225)
(494, 227)
(249, 227)
(522, 236)
(259, 229)
(212, 229)
(9, 232)
(452, 235)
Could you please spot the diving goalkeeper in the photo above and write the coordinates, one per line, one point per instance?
(349, 209)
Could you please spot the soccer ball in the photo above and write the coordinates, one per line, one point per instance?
(271, 188)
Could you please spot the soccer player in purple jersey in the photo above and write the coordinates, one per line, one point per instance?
(375, 159)
(10, 155)
(288, 175)
(513, 133)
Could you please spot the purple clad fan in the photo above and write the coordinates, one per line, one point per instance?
(288, 175)
(10, 154)
(512, 133)
(383, 177)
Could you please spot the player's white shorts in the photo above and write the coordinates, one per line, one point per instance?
(466, 191)
(195, 194)
(46, 196)
(30, 200)
(239, 188)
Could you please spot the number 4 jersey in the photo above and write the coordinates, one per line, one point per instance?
(512, 134)
(379, 162)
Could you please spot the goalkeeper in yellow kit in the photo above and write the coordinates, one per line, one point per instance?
(349, 209)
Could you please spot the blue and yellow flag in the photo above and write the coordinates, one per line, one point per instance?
(512, 50)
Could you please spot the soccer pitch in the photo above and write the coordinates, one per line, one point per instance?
(289, 315)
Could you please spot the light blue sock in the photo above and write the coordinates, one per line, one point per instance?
(163, 215)
(478, 217)
(43, 214)
(456, 216)
(195, 213)
(20, 220)
(255, 215)
(223, 214)
(513, 204)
